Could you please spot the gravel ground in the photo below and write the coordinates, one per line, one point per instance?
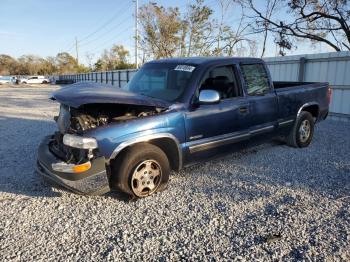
(270, 202)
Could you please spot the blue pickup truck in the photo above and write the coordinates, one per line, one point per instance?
(173, 113)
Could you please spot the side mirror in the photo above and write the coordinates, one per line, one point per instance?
(209, 96)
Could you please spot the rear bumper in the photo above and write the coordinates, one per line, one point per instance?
(91, 182)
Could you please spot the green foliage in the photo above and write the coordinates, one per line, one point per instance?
(162, 29)
(165, 32)
(113, 59)
(34, 65)
(8, 65)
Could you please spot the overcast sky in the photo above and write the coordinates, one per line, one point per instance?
(46, 27)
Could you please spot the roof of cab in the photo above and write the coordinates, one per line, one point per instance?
(206, 60)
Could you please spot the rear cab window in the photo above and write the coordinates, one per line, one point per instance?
(223, 80)
(256, 79)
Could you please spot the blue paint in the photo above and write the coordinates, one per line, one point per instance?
(192, 124)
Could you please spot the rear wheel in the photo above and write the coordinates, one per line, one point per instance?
(141, 170)
(44, 82)
(302, 132)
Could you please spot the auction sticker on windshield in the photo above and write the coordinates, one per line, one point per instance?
(185, 68)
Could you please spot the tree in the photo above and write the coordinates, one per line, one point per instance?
(36, 65)
(30, 65)
(200, 29)
(49, 66)
(8, 65)
(165, 32)
(113, 59)
(162, 30)
(233, 40)
(270, 9)
(319, 21)
(67, 64)
(89, 57)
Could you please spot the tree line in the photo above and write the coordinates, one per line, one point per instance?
(166, 32)
(35, 65)
(198, 31)
(63, 63)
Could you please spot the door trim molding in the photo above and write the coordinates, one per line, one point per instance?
(218, 141)
(286, 122)
(226, 139)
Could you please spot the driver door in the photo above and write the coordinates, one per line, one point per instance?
(211, 127)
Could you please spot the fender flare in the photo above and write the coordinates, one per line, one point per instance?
(306, 105)
(147, 138)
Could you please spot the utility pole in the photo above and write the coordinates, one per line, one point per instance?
(136, 34)
(76, 49)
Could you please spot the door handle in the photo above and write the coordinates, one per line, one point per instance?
(243, 109)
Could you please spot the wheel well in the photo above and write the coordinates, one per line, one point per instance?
(168, 146)
(312, 109)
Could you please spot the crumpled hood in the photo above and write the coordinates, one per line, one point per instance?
(83, 93)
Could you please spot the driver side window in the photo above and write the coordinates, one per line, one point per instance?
(221, 79)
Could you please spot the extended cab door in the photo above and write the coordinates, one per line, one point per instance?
(210, 127)
(263, 103)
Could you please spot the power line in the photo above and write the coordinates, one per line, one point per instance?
(106, 33)
(102, 26)
(104, 44)
(70, 47)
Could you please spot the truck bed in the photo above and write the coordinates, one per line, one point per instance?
(284, 84)
(294, 95)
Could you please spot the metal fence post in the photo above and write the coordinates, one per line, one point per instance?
(302, 62)
(119, 78)
(101, 77)
(106, 77)
(112, 77)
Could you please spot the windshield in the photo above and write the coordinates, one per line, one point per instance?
(162, 81)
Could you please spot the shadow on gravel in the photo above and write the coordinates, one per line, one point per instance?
(19, 141)
(322, 168)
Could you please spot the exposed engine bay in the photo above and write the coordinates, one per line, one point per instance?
(86, 117)
(78, 120)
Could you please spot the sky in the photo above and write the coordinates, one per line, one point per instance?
(46, 27)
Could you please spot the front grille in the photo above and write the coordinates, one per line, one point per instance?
(57, 147)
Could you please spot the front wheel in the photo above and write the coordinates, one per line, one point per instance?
(141, 170)
(302, 132)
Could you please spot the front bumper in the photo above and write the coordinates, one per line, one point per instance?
(91, 182)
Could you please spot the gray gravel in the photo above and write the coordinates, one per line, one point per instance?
(270, 202)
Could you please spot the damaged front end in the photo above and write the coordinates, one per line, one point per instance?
(82, 171)
(77, 121)
(71, 158)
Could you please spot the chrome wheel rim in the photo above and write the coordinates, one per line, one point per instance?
(304, 131)
(146, 178)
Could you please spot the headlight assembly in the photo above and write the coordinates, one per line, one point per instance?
(79, 141)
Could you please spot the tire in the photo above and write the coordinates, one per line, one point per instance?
(24, 82)
(302, 131)
(141, 170)
(44, 82)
